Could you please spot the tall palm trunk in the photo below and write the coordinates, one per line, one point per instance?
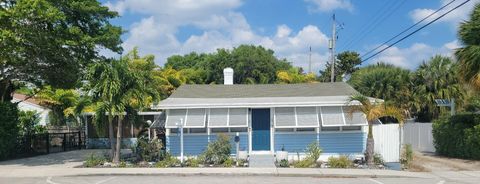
(110, 136)
(370, 144)
(116, 158)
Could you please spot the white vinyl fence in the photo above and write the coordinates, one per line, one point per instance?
(419, 135)
(387, 141)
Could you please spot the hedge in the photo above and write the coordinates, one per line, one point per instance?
(8, 129)
(458, 136)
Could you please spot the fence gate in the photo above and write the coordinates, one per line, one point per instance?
(387, 141)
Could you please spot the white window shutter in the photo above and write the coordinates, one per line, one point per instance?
(357, 118)
(285, 117)
(332, 116)
(218, 117)
(174, 116)
(195, 118)
(238, 117)
(307, 117)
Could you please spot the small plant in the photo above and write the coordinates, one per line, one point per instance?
(192, 162)
(217, 152)
(340, 162)
(228, 163)
(168, 161)
(242, 162)
(93, 161)
(305, 163)
(407, 156)
(283, 163)
(378, 159)
(314, 151)
(122, 164)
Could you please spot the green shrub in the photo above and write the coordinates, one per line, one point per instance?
(406, 157)
(8, 129)
(94, 160)
(29, 123)
(229, 162)
(217, 152)
(242, 162)
(168, 161)
(458, 136)
(339, 162)
(122, 164)
(307, 162)
(283, 163)
(378, 159)
(149, 151)
(192, 162)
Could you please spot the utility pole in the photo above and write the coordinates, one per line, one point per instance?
(332, 49)
(310, 61)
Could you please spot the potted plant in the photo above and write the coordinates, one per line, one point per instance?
(282, 154)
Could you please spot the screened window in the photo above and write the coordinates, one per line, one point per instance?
(175, 116)
(238, 117)
(351, 128)
(356, 118)
(307, 116)
(332, 116)
(218, 118)
(285, 117)
(195, 118)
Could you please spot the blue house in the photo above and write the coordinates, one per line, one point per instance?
(268, 117)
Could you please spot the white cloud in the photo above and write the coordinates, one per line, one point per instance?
(221, 27)
(411, 57)
(329, 5)
(454, 17)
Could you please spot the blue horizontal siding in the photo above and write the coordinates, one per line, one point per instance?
(197, 144)
(341, 143)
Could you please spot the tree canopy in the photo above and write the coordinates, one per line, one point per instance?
(347, 63)
(52, 41)
(469, 55)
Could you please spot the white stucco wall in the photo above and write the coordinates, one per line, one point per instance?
(26, 106)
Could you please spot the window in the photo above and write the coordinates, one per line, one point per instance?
(195, 118)
(238, 129)
(307, 116)
(238, 117)
(284, 130)
(218, 118)
(198, 130)
(332, 116)
(174, 116)
(329, 129)
(219, 130)
(351, 128)
(285, 117)
(305, 129)
(356, 118)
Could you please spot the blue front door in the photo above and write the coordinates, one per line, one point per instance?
(260, 129)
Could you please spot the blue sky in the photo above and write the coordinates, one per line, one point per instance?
(289, 27)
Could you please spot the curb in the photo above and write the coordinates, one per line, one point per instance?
(244, 174)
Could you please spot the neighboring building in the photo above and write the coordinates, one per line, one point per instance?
(268, 117)
(31, 104)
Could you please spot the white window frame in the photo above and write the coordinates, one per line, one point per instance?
(343, 117)
(186, 120)
(168, 115)
(228, 120)
(296, 120)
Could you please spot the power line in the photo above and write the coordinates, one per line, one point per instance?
(403, 38)
(386, 13)
(408, 28)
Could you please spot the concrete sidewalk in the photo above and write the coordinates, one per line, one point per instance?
(62, 164)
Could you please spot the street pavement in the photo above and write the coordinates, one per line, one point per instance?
(226, 180)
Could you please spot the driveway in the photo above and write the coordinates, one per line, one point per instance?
(68, 159)
(435, 163)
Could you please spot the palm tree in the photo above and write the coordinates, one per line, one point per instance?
(435, 79)
(119, 85)
(373, 111)
(469, 55)
(58, 100)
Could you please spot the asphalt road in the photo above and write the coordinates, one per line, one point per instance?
(225, 180)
